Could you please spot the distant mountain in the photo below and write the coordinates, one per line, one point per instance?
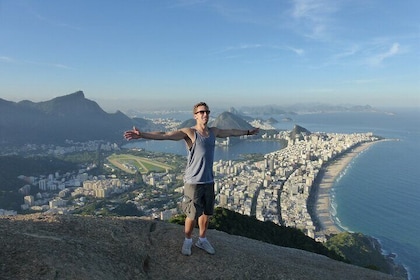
(240, 114)
(227, 120)
(70, 117)
(187, 123)
(272, 121)
(299, 132)
(291, 110)
(327, 108)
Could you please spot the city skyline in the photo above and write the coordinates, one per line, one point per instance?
(140, 54)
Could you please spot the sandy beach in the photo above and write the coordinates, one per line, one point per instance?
(331, 172)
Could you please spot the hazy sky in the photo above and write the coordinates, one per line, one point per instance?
(164, 53)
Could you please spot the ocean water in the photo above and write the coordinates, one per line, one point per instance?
(379, 192)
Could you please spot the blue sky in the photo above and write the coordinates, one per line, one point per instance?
(150, 54)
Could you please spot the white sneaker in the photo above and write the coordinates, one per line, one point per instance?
(186, 248)
(206, 246)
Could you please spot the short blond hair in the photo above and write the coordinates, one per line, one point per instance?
(200, 104)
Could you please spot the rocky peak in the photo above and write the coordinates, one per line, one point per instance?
(40, 246)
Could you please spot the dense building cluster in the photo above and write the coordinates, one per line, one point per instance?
(277, 189)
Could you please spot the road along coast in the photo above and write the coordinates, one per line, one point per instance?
(329, 175)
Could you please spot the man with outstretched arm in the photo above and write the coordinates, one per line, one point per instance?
(198, 201)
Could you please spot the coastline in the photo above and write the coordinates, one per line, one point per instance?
(322, 203)
(333, 169)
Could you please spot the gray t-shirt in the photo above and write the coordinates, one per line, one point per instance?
(199, 168)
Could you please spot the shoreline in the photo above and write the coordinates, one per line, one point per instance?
(322, 206)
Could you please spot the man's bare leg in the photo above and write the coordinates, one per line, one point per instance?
(203, 223)
(189, 227)
(203, 243)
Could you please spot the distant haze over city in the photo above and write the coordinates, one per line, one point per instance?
(180, 105)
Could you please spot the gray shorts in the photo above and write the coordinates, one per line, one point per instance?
(198, 200)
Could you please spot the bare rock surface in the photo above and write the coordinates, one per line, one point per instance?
(39, 246)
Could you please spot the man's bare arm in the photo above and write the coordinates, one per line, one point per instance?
(157, 135)
(222, 133)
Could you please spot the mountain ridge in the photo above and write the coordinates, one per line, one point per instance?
(74, 117)
(71, 116)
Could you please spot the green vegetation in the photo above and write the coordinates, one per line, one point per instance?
(360, 250)
(237, 224)
(354, 248)
(102, 207)
(82, 157)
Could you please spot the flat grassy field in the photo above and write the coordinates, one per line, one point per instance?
(132, 164)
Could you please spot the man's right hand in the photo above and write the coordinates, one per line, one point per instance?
(132, 134)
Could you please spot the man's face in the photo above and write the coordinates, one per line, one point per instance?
(202, 114)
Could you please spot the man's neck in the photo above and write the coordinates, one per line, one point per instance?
(201, 127)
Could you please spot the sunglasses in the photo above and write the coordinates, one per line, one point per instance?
(203, 111)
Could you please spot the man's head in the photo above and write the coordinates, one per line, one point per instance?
(201, 112)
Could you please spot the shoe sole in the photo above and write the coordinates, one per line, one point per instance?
(202, 248)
